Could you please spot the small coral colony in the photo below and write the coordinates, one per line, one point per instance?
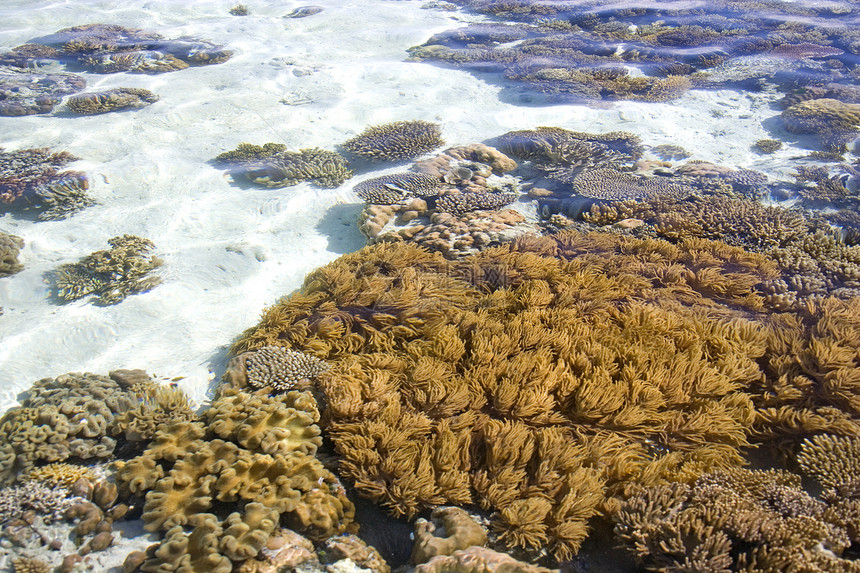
(521, 388)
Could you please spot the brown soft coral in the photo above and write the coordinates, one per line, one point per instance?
(10, 246)
(510, 379)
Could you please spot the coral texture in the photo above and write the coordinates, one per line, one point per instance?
(29, 175)
(10, 246)
(114, 99)
(396, 141)
(110, 275)
(325, 168)
(487, 381)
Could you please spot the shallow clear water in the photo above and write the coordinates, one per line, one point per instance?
(229, 250)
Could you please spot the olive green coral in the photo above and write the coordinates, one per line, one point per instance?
(396, 141)
(110, 275)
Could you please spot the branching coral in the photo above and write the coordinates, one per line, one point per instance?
(834, 122)
(248, 153)
(396, 141)
(110, 275)
(114, 99)
(488, 383)
(274, 367)
(28, 92)
(325, 168)
(27, 174)
(736, 520)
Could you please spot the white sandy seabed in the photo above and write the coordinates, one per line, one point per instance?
(229, 251)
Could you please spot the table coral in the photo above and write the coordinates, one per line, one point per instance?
(110, 275)
(395, 188)
(10, 246)
(114, 99)
(488, 383)
(325, 168)
(396, 141)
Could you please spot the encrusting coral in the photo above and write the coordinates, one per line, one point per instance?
(114, 99)
(396, 141)
(110, 275)
(535, 379)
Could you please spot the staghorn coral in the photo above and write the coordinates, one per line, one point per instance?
(110, 275)
(325, 168)
(736, 520)
(819, 187)
(396, 141)
(28, 92)
(114, 99)
(275, 367)
(767, 146)
(834, 122)
(10, 246)
(497, 389)
(48, 501)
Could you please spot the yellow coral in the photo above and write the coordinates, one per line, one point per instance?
(61, 474)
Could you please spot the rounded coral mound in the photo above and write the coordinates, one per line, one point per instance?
(110, 100)
(396, 141)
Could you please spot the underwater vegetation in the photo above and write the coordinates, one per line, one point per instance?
(540, 379)
(99, 48)
(569, 52)
(32, 179)
(109, 275)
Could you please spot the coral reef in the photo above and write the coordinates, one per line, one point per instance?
(767, 146)
(449, 529)
(351, 547)
(249, 154)
(498, 380)
(478, 560)
(26, 92)
(397, 187)
(62, 474)
(155, 407)
(50, 502)
(325, 168)
(396, 141)
(275, 368)
(834, 122)
(734, 520)
(110, 275)
(252, 465)
(303, 11)
(32, 176)
(10, 246)
(71, 416)
(239, 10)
(114, 99)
